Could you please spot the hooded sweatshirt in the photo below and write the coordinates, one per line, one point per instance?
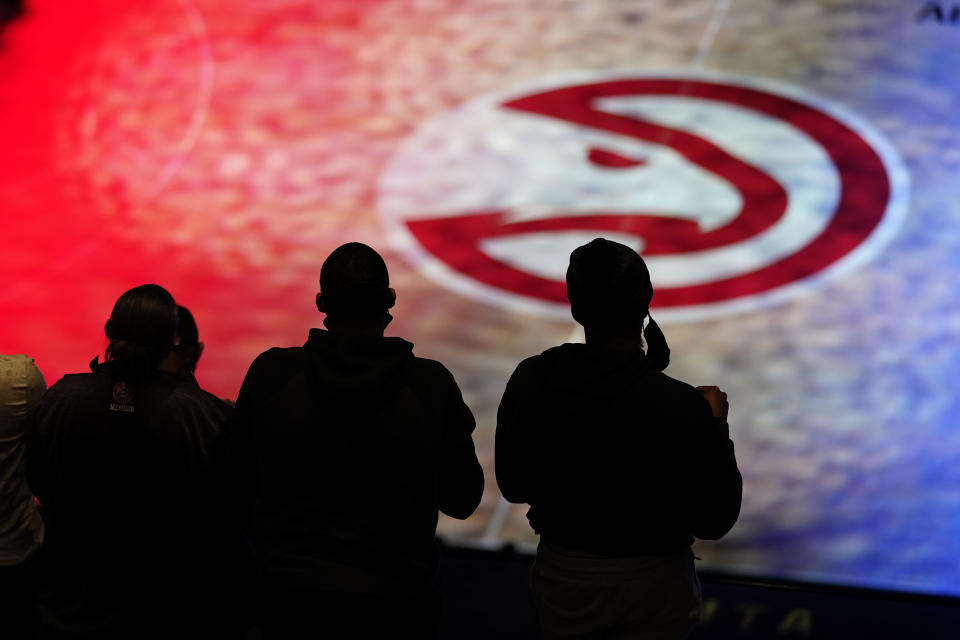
(614, 457)
(346, 448)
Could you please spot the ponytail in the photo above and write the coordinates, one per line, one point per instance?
(141, 331)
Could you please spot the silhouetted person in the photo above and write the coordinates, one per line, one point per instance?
(230, 556)
(21, 527)
(119, 458)
(350, 445)
(621, 465)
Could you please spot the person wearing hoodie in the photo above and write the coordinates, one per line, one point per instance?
(343, 452)
(622, 466)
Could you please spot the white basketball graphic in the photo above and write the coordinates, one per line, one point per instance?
(738, 193)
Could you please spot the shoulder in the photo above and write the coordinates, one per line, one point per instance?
(533, 366)
(674, 386)
(274, 366)
(192, 397)
(20, 368)
(269, 373)
(74, 384)
(190, 415)
(216, 402)
(431, 371)
(278, 357)
(554, 358)
(75, 380)
(681, 397)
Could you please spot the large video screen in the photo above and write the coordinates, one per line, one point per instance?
(789, 170)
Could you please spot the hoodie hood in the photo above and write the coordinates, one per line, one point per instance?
(582, 370)
(352, 368)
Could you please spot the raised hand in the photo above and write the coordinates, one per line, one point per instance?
(717, 399)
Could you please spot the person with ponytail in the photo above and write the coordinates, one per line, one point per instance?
(141, 329)
(119, 459)
(622, 465)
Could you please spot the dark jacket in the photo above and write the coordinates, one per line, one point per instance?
(614, 457)
(123, 477)
(344, 451)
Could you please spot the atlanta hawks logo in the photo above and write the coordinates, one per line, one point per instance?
(738, 193)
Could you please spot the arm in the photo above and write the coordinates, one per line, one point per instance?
(461, 476)
(719, 485)
(236, 468)
(513, 453)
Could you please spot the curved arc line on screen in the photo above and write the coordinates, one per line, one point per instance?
(720, 9)
(202, 35)
(399, 236)
(200, 32)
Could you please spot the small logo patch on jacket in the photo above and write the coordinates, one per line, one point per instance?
(123, 396)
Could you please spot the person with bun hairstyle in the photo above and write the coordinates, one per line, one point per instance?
(622, 465)
(119, 459)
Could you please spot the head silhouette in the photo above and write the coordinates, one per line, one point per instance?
(141, 331)
(187, 333)
(187, 347)
(355, 287)
(608, 286)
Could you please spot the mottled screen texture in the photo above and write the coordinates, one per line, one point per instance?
(788, 169)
